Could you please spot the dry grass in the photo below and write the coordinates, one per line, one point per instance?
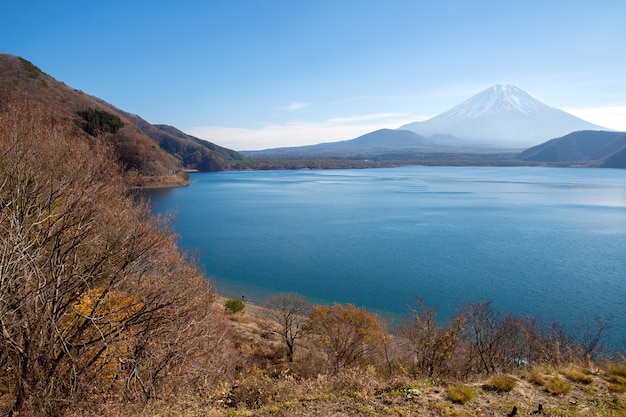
(616, 378)
(460, 394)
(499, 383)
(618, 370)
(556, 386)
(613, 387)
(535, 376)
(577, 376)
(272, 388)
(362, 393)
(552, 383)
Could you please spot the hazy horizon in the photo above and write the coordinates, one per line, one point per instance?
(251, 76)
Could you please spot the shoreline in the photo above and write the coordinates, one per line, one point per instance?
(253, 309)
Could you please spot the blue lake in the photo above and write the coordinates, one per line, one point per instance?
(550, 242)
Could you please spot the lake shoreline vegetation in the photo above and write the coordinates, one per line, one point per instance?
(381, 161)
(158, 156)
(102, 314)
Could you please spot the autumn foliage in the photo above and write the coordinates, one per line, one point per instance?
(95, 298)
(100, 312)
(350, 336)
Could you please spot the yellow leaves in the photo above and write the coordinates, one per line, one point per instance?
(350, 334)
(93, 287)
(110, 306)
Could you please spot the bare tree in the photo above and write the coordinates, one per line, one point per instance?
(541, 341)
(290, 311)
(92, 288)
(485, 336)
(429, 343)
(350, 335)
(61, 270)
(591, 336)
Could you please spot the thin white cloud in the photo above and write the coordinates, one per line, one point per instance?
(300, 133)
(611, 117)
(295, 105)
(364, 118)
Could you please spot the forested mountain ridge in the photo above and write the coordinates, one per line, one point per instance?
(102, 315)
(157, 155)
(194, 153)
(374, 143)
(587, 147)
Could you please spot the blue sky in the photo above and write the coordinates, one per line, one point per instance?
(268, 73)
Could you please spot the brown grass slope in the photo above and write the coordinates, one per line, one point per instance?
(140, 147)
(269, 385)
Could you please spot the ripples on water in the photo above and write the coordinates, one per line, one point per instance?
(542, 241)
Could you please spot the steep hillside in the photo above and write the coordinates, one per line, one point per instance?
(192, 152)
(615, 160)
(157, 156)
(589, 147)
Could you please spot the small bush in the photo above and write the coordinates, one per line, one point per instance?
(536, 377)
(352, 381)
(500, 383)
(577, 376)
(460, 394)
(234, 306)
(556, 386)
(618, 370)
(257, 391)
(96, 122)
(616, 379)
(31, 68)
(617, 387)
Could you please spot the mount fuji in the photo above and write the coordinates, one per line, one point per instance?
(503, 116)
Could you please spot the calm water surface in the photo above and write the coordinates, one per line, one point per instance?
(550, 242)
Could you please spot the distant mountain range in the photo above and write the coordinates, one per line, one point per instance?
(502, 116)
(482, 130)
(587, 148)
(373, 143)
(490, 127)
(158, 153)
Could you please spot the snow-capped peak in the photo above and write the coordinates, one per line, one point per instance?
(502, 114)
(501, 98)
